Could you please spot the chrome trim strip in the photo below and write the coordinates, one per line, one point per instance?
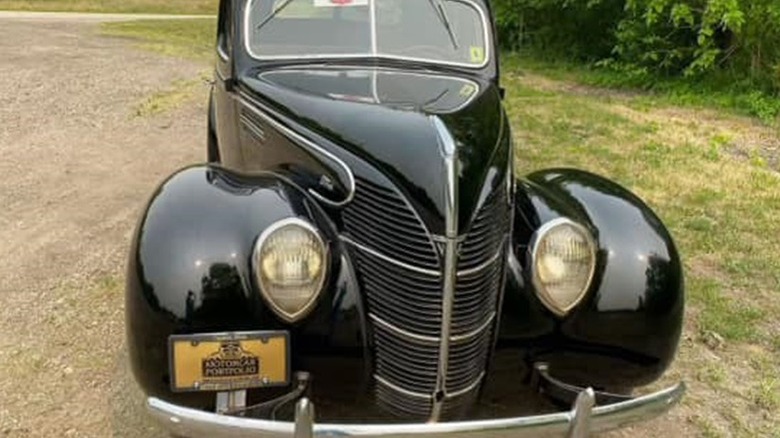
(420, 396)
(403, 391)
(469, 388)
(431, 340)
(477, 269)
(432, 273)
(407, 334)
(473, 334)
(252, 105)
(222, 54)
(193, 423)
(487, 36)
(435, 274)
(252, 127)
(449, 152)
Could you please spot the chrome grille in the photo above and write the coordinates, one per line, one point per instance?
(487, 232)
(401, 275)
(406, 298)
(380, 219)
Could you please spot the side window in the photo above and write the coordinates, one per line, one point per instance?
(224, 34)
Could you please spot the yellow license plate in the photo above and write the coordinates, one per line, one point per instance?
(229, 361)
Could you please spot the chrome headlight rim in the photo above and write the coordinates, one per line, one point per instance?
(533, 249)
(286, 316)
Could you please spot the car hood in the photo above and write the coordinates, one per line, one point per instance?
(395, 120)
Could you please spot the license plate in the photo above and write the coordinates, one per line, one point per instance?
(229, 361)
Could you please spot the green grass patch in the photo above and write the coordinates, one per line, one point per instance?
(191, 39)
(722, 91)
(179, 93)
(208, 7)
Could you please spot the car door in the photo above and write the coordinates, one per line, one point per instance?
(223, 103)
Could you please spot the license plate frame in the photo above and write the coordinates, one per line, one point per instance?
(220, 362)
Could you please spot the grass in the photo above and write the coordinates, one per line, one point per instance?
(119, 6)
(190, 39)
(179, 93)
(723, 91)
(712, 176)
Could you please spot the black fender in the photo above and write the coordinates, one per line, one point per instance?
(189, 271)
(626, 331)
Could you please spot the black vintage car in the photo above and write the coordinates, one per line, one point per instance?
(359, 242)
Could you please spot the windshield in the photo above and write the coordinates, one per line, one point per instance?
(452, 32)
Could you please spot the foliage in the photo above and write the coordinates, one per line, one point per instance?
(650, 39)
(576, 29)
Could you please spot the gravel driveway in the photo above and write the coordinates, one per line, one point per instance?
(77, 167)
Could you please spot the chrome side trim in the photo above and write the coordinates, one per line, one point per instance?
(253, 106)
(254, 130)
(435, 274)
(430, 340)
(193, 423)
(222, 54)
(449, 152)
(402, 390)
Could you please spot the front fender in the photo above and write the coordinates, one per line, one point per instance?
(189, 271)
(626, 331)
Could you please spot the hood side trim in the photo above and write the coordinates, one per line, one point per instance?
(254, 106)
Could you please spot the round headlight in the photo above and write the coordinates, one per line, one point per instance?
(563, 261)
(290, 260)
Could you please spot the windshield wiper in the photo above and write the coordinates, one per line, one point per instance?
(274, 13)
(439, 8)
(435, 100)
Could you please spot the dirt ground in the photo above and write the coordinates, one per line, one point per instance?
(77, 166)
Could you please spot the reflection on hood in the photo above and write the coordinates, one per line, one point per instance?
(400, 90)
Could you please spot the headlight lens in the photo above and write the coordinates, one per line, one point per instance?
(290, 261)
(563, 261)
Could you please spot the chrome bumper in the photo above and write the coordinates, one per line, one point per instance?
(582, 420)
